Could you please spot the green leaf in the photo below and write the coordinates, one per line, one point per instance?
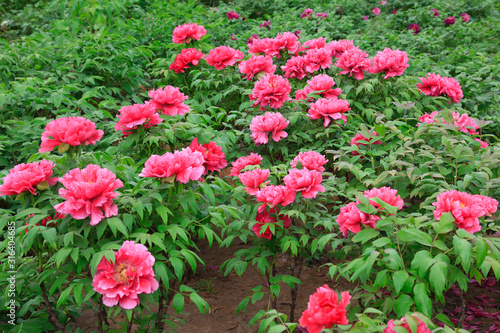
(163, 211)
(50, 236)
(422, 300)
(242, 307)
(481, 251)
(277, 329)
(78, 292)
(463, 249)
(399, 279)
(61, 255)
(422, 262)
(117, 224)
(365, 235)
(415, 235)
(178, 302)
(64, 296)
(200, 303)
(391, 209)
(446, 223)
(403, 305)
(178, 266)
(437, 277)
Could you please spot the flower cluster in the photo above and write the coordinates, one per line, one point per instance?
(28, 177)
(307, 13)
(187, 56)
(414, 27)
(270, 122)
(232, 15)
(215, 159)
(435, 85)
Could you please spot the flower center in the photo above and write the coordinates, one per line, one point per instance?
(121, 272)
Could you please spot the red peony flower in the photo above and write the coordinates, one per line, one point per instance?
(215, 159)
(187, 32)
(69, 131)
(329, 108)
(315, 43)
(223, 56)
(318, 58)
(324, 310)
(414, 27)
(182, 165)
(286, 41)
(449, 20)
(135, 115)
(242, 162)
(394, 11)
(28, 177)
(310, 160)
(376, 11)
(232, 15)
(251, 39)
(254, 179)
(274, 195)
(465, 17)
(47, 220)
(272, 90)
(358, 137)
(321, 84)
(435, 85)
(187, 56)
(273, 122)
(266, 24)
(387, 195)
(256, 65)
(261, 46)
(169, 100)
(351, 219)
(295, 67)
(421, 327)
(131, 274)
(322, 16)
(393, 63)
(354, 62)
(434, 12)
(89, 192)
(482, 143)
(266, 218)
(338, 48)
(307, 13)
(305, 181)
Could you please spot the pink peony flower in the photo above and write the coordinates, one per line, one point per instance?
(295, 68)
(28, 177)
(187, 56)
(305, 181)
(89, 192)
(131, 274)
(351, 219)
(483, 144)
(354, 62)
(187, 32)
(435, 85)
(465, 17)
(310, 160)
(272, 90)
(449, 20)
(135, 115)
(414, 27)
(273, 122)
(338, 48)
(256, 65)
(242, 162)
(315, 43)
(182, 165)
(376, 11)
(266, 218)
(428, 118)
(265, 24)
(358, 137)
(322, 84)
(322, 16)
(223, 56)
(421, 327)
(465, 208)
(387, 195)
(169, 100)
(318, 58)
(232, 15)
(307, 13)
(328, 108)
(286, 41)
(393, 63)
(274, 195)
(261, 46)
(435, 12)
(251, 39)
(365, 18)
(464, 123)
(324, 310)
(382, 2)
(69, 131)
(254, 179)
(215, 159)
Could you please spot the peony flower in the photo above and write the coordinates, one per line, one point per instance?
(261, 46)
(464, 123)
(251, 39)
(28, 177)
(232, 37)
(307, 13)
(382, 2)
(69, 131)
(365, 18)
(421, 327)
(328, 108)
(387, 195)
(428, 118)
(338, 48)
(393, 63)
(273, 122)
(254, 179)
(135, 115)
(286, 41)
(482, 143)
(295, 68)
(414, 27)
(315, 43)
(169, 100)
(322, 16)
(305, 181)
(358, 137)
(256, 65)
(272, 90)
(47, 220)
(465, 208)
(435, 12)
(324, 310)
(131, 274)
(182, 165)
(376, 11)
(318, 58)
(242, 162)
(351, 219)
(465, 17)
(265, 24)
(223, 56)
(310, 160)
(89, 192)
(321, 84)
(232, 15)
(274, 195)
(187, 56)
(297, 33)
(394, 11)
(187, 32)
(449, 20)
(266, 218)
(435, 85)
(354, 62)
(215, 159)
